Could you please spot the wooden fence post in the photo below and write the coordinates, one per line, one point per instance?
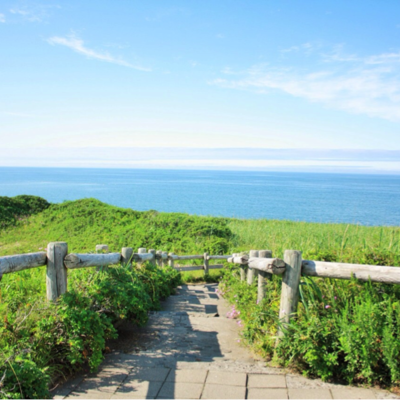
(159, 258)
(56, 273)
(206, 263)
(251, 271)
(126, 255)
(101, 248)
(142, 250)
(242, 267)
(164, 261)
(153, 260)
(290, 286)
(262, 276)
(171, 261)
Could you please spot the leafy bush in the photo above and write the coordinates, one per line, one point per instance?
(21, 378)
(40, 339)
(88, 222)
(358, 343)
(13, 209)
(344, 330)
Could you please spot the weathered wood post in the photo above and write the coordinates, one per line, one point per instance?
(206, 263)
(56, 273)
(153, 260)
(164, 260)
(242, 268)
(142, 250)
(159, 258)
(101, 248)
(126, 255)
(171, 260)
(250, 271)
(290, 286)
(262, 275)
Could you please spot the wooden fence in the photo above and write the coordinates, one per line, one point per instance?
(58, 262)
(259, 263)
(293, 267)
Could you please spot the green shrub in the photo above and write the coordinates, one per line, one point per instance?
(343, 331)
(22, 379)
(346, 331)
(13, 209)
(43, 338)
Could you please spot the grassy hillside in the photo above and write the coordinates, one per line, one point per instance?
(345, 330)
(85, 223)
(324, 242)
(14, 209)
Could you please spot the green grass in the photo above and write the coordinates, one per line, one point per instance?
(85, 223)
(336, 346)
(14, 209)
(329, 242)
(198, 276)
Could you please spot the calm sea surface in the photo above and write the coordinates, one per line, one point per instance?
(364, 199)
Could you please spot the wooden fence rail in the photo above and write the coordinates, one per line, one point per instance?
(58, 261)
(257, 264)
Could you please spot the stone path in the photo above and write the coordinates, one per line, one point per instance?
(190, 350)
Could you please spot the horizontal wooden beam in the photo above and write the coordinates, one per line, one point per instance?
(216, 266)
(375, 273)
(176, 257)
(73, 261)
(218, 257)
(274, 266)
(162, 256)
(190, 268)
(238, 259)
(20, 262)
(197, 267)
(142, 256)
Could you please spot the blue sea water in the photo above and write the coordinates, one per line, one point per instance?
(313, 197)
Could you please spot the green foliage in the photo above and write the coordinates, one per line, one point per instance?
(350, 332)
(325, 242)
(213, 276)
(85, 223)
(343, 331)
(22, 379)
(356, 338)
(259, 321)
(14, 209)
(41, 338)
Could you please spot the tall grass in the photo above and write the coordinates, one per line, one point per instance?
(329, 242)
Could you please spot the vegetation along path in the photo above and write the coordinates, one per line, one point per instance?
(192, 350)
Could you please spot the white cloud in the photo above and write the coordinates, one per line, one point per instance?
(2, 18)
(78, 46)
(306, 48)
(27, 14)
(362, 85)
(34, 12)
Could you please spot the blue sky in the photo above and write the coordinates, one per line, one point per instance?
(91, 78)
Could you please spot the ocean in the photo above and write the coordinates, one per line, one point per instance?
(312, 197)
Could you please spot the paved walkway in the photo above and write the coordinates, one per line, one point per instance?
(190, 350)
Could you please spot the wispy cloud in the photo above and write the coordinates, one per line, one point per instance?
(2, 18)
(34, 12)
(362, 85)
(77, 44)
(304, 47)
